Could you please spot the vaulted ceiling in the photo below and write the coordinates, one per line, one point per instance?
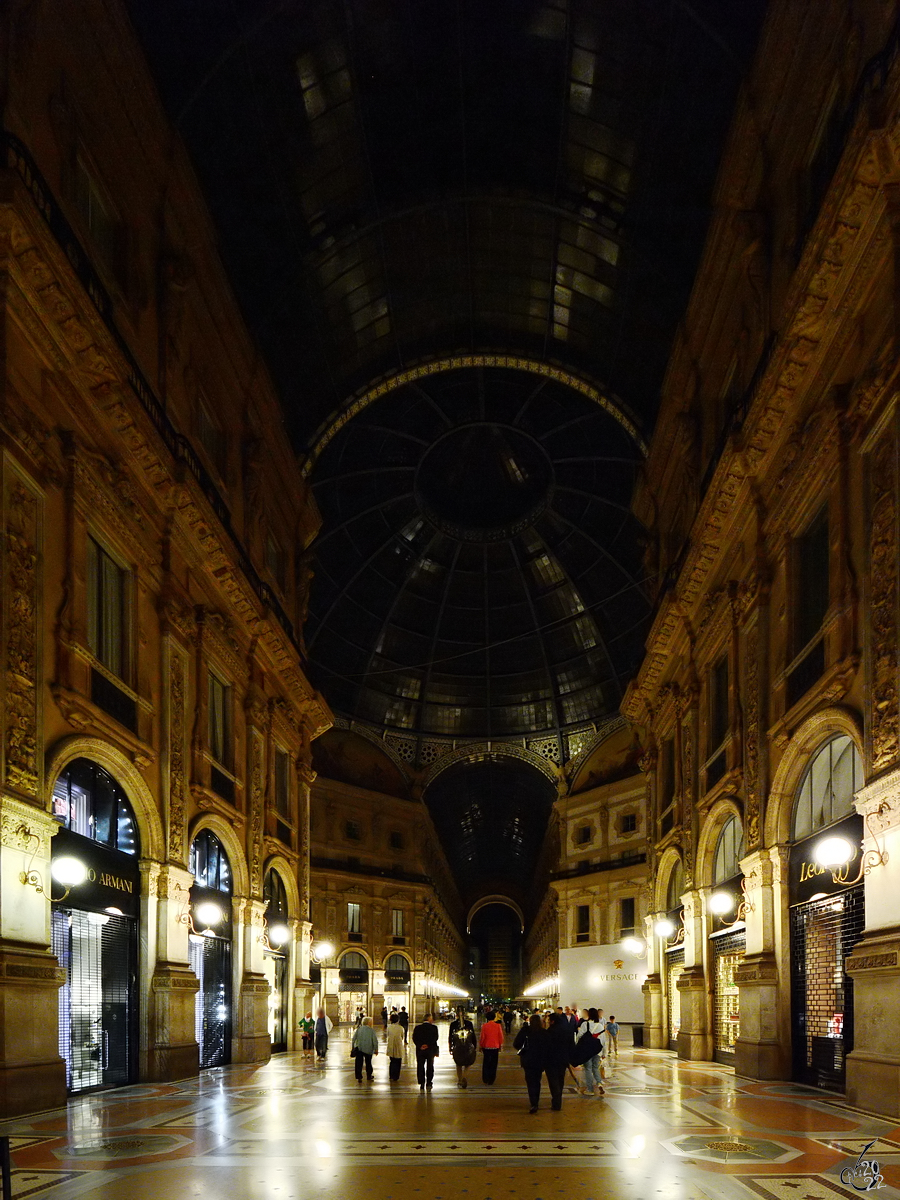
(462, 235)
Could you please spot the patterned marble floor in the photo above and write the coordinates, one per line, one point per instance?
(292, 1130)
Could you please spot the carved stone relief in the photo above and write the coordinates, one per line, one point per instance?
(21, 666)
(883, 605)
(751, 742)
(257, 803)
(177, 770)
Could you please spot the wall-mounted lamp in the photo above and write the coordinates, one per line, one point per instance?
(666, 928)
(722, 903)
(636, 946)
(274, 937)
(207, 912)
(66, 870)
(319, 951)
(835, 852)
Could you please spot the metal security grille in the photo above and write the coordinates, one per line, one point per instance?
(97, 1006)
(211, 962)
(823, 932)
(674, 967)
(727, 955)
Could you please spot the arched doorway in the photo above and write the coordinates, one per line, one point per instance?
(353, 987)
(210, 947)
(277, 959)
(94, 929)
(827, 914)
(727, 938)
(397, 980)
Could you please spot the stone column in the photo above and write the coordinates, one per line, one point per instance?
(250, 1041)
(655, 1035)
(172, 1050)
(764, 979)
(873, 1065)
(32, 1074)
(694, 1035)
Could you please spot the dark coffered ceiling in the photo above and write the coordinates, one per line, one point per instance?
(396, 181)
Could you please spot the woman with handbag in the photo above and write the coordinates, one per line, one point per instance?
(590, 1045)
(463, 1048)
(363, 1047)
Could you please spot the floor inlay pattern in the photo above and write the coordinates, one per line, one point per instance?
(295, 1129)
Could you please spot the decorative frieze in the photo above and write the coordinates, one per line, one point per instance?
(883, 596)
(21, 534)
(257, 797)
(178, 782)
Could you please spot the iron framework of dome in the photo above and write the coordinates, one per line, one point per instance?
(478, 574)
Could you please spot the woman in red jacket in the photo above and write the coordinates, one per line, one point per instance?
(490, 1041)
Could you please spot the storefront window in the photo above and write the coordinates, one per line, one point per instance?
(826, 792)
(87, 800)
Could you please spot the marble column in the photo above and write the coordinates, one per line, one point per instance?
(694, 1034)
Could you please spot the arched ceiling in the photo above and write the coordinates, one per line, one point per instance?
(397, 183)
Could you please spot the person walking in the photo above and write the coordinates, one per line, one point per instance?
(307, 1032)
(324, 1026)
(507, 1019)
(404, 1021)
(396, 1047)
(384, 1018)
(612, 1035)
(556, 1057)
(364, 1047)
(490, 1040)
(531, 1044)
(594, 1028)
(425, 1040)
(463, 1050)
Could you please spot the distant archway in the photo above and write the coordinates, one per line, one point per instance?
(486, 900)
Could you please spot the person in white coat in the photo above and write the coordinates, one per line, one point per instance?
(324, 1026)
(593, 1026)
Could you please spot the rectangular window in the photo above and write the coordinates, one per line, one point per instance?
(211, 437)
(95, 215)
(628, 823)
(396, 840)
(583, 835)
(282, 783)
(276, 561)
(109, 604)
(353, 919)
(219, 702)
(583, 923)
(718, 703)
(811, 582)
(666, 778)
(626, 916)
(397, 922)
(352, 831)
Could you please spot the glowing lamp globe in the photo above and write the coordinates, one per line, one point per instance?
(209, 913)
(68, 871)
(664, 928)
(721, 903)
(833, 852)
(633, 945)
(278, 934)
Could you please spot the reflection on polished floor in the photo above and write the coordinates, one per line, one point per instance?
(293, 1129)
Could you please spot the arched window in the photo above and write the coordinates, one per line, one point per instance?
(396, 965)
(87, 800)
(209, 862)
(826, 791)
(729, 851)
(275, 896)
(354, 962)
(675, 888)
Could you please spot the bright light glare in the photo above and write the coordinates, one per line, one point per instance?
(721, 903)
(209, 913)
(833, 852)
(278, 934)
(664, 927)
(323, 1149)
(547, 987)
(97, 918)
(68, 871)
(323, 949)
(633, 945)
(636, 1146)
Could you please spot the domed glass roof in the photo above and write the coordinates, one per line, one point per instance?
(478, 574)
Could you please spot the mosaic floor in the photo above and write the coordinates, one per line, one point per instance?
(292, 1129)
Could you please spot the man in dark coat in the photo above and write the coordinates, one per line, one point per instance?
(556, 1057)
(425, 1040)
